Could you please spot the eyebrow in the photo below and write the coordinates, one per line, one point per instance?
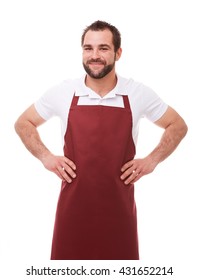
(101, 45)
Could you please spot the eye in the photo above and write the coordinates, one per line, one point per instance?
(87, 48)
(104, 49)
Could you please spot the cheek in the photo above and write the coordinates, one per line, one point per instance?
(111, 59)
(85, 57)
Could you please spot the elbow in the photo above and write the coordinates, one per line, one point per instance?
(183, 129)
(16, 127)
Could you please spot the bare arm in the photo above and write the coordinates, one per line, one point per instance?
(175, 130)
(26, 128)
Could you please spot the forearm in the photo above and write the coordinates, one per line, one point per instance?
(31, 139)
(171, 138)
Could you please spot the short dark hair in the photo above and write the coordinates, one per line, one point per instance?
(102, 25)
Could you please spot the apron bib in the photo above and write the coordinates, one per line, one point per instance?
(96, 213)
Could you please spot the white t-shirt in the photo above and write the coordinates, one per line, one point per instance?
(143, 100)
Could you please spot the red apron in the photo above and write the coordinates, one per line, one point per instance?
(96, 213)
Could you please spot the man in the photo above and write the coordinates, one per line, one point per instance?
(100, 113)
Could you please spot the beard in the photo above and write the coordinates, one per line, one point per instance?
(106, 70)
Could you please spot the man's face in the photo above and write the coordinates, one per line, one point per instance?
(98, 53)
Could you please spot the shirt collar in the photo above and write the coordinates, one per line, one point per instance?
(82, 90)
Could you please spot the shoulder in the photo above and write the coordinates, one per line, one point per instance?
(63, 90)
(64, 87)
(135, 89)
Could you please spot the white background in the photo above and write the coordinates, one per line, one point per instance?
(40, 46)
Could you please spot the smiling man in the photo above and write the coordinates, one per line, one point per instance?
(100, 115)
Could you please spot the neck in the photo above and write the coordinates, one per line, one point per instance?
(102, 86)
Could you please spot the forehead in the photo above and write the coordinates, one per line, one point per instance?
(98, 37)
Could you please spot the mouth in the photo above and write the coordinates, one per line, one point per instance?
(95, 62)
(95, 66)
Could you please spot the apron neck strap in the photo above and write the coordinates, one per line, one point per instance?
(126, 102)
(74, 100)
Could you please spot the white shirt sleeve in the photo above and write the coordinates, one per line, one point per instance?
(153, 106)
(55, 101)
(145, 103)
(44, 104)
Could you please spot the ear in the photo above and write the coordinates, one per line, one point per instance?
(118, 54)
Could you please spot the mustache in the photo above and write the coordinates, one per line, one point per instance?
(95, 60)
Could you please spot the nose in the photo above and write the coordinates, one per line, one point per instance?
(95, 54)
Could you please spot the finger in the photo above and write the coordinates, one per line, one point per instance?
(63, 175)
(67, 169)
(58, 174)
(70, 163)
(127, 173)
(132, 178)
(127, 165)
(136, 178)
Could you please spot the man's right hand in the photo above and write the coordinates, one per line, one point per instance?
(63, 167)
